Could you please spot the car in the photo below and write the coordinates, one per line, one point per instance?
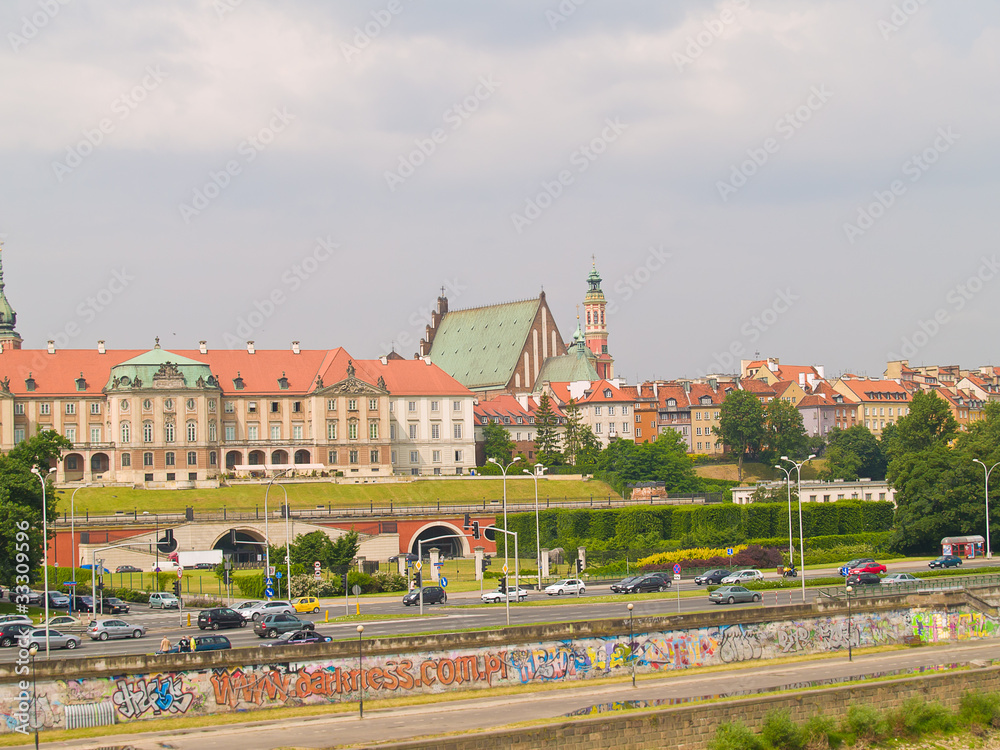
(268, 608)
(56, 639)
(10, 632)
(900, 578)
(733, 594)
(432, 595)
(566, 586)
(206, 566)
(513, 593)
(855, 563)
(743, 576)
(243, 606)
(619, 588)
(200, 643)
(83, 604)
(220, 617)
(58, 600)
(127, 569)
(651, 582)
(945, 561)
(4, 619)
(64, 621)
(711, 577)
(33, 598)
(163, 600)
(869, 567)
(102, 630)
(863, 579)
(113, 606)
(306, 604)
(271, 626)
(299, 637)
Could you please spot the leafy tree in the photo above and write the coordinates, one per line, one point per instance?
(546, 436)
(928, 423)
(344, 550)
(572, 434)
(333, 555)
(784, 432)
(497, 443)
(590, 448)
(741, 425)
(854, 453)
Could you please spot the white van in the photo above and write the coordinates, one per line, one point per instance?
(163, 600)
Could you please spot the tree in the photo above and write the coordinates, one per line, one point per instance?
(741, 425)
(546, 436)
(571, 436)
(497, 443)
(590, 448)
(334, 555)
(343, 551)
(928, 423)
(854, 453)
(783, 428)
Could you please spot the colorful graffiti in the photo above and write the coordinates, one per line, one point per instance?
(158, 695)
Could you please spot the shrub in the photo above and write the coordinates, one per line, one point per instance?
(780, 732)
(918, 717)
(866, 723)
(979, 708)
(735, 736)
(820, 733)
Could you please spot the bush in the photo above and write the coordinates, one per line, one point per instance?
(918, 717)
(979, 708)
(820, 732)
(866, 723)
(780, 732)
(735, 736)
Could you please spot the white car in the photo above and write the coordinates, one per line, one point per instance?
(899, 578)
(64, 621)
(4, 619)
(566, 586)
(493, 597)
(744, 576)
(267, 608)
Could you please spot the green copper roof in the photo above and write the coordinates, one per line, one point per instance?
(479, 347)
(576, 365)
(8, 318)
(158, 365)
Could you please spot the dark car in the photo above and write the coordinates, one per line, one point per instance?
(11, 631)
(711, 577)
(205, 566)
(83, 604)
(945, 561)
(298, 637)
(127, 569)
(432, 595)
(271, 626)
(220, 617)
(651, 582)
(619, 588)
(863, 579)
(113, 606)
(200, 643)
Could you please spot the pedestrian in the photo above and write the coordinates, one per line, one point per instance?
(164, 645)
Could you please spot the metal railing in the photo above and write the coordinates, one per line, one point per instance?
(921, 586)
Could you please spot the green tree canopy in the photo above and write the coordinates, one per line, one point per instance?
(741, 425)
(546, 434)
(497, 443)
(572, 434)
(853, 453)
(784, 432)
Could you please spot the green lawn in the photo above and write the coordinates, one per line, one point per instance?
(247, 497)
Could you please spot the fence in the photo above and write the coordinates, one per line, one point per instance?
(921, 586)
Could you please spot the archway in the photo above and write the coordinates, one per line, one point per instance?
(233, 459)
(301, 457)
(99, 463)
(245, 546)
(456, 545)
(256, 458)
(73, 467)
(279, 457)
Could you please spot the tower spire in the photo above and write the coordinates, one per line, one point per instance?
(8, 318)
(596, 330)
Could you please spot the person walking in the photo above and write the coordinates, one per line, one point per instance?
(164, 645)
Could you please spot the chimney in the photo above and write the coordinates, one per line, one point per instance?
(522, 399)
(802, 379)
(427, 361)
(772, 364)
(295, 348)
(655, 394)
(52, 346)
(383, 359)
(203, 347)
(687, 386)
(101, 349)
(713, 384)
(250, 347)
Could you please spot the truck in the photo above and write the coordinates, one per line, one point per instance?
(195, 559)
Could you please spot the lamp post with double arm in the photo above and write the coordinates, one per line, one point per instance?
(43, 478)
(802, 543)
(989, 552)
(539, 469)
(503, 469)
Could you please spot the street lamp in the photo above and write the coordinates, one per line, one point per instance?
(791, 553)
(361, 688)
(267, 539)
(539, 469)
(850, 656)
(802, 544)
(288, 553)
(72, 532)
(156, 537)
(32, 650)
(45, 548)
(989, 552)
(631, 642)
(504, 469)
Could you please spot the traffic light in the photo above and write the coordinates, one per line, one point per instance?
(579, 566)
(475, 530)
(343, 580)
(485, 564)
(502, 583)
(419, 579)
(177, 588)
(226, 577)
(467, 521)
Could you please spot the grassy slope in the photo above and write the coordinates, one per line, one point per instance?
(106, 500)
(753, 472)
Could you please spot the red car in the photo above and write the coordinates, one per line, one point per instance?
(870, 567)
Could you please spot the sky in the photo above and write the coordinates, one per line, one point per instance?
(810, 181)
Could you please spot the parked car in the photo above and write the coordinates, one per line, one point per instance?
(733, 594)
(58, 600)
(127, 569)
(33, 598)
(205, 566)
(711, 577)
(899, 578)
(268, 608)
(513, 594)
(220, 617)
(83, 604)
(14, 618)
(863, 579)
(869, 567)
(102, 630)
(56, 639)
(163, 600)
(619, 588)
(432, 595)
(10, 632)
(64, 621)
(566, 586)
(853, 564)
(744, 576)
(651, 582)
(114, 606)
(299, 637)
(242, 607)
(199, 643)
(306, 604)
(271, 626)
(945, 561)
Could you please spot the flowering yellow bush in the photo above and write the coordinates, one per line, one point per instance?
(702, 553)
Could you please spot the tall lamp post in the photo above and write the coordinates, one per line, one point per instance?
(156, 537)
(288, 549)
(504, 470)
(45, 549)
(361, 689)
(802, 543)
(539, 469)
(989, 552)
(32, 650)
(72, 540)
(850, 655)
(267, 538)
(631, 641)
(788, 475)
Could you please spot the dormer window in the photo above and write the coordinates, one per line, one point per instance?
(520, 420)
(485, 420)
(671, 402)
(81, 383)
(238, 383)
(283, 382)
(30, 383)
(607, 393)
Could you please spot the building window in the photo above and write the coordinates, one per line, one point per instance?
(393, 457)
(331, 457)
(638, 432)
(518, 438)
(698, 431)
(147, 405)
(230, 432)
(392, 432)
(276, 432)
(19, 410)
(435, 406)
(190, 404)
(436, 456)
(456, 406)
(373, 456)
(213, 459)
(331, 430)
(168, 405)
(373, 404)
(275, 407)
(230, 407)
(171, 476)
(211, 405)
(352, 431)
(126, 430)
(192, 432)
(411, 406)
(625, 410)
(354, 457)
(192, 458)
(253, 432)
(597, 411)
(296, 432)
(457, 430)
(352, 404)
(213, 432)
(95, 434)
(44, 409)
(252, 407)
(18, 435)
(435, 432)
(611, 411)
(147, 459)
(413, 432)
(95, 408)
(71, 434)
(71, 408)
(170, 458)
(126, 460)
(169, 432)
(414, 457)
(147, 432)
(598, 428)
(373, 430)
(626, 427)
(458, 456)
(331, 404)
(296, 407)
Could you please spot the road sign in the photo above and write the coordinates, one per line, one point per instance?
(418, 565)
(270, 571)
(180, 572)
(356, 590)
(729, 551)
(444, 581)
(269, 592)
(677, 569)
(317, 575)
(269, 581)
(279, 574)
(505, 569)
(677, 576)
(317, 565)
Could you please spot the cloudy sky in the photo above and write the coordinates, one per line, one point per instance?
(815, 181)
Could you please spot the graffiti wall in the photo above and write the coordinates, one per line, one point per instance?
(138, 697)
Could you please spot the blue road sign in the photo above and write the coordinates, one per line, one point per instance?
(444, 581)
(269, 581)
(729, 551)
(279, 574)
(269, 592)
(677, 569)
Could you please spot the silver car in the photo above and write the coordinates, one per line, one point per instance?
(102, 630)
(56, 639)
(268, 608)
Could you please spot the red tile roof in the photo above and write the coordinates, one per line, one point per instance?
(595, 394)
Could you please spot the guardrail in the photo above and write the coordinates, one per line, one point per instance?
(920, 586)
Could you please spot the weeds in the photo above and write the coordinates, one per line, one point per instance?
(735, 736)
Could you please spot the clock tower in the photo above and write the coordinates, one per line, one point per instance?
(9, 338)
(596, 327)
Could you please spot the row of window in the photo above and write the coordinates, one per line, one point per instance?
(871, 412)
(411, 406)
(611, 411)
(75, 463)
(708, 414)
(709, 446)
(599, 428)
(354, 456)
(352, 431)
(413, 431)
